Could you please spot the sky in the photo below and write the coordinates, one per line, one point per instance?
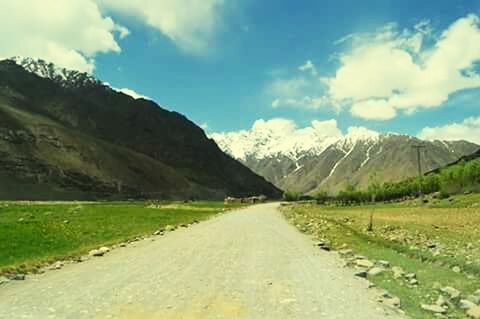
(409, 67)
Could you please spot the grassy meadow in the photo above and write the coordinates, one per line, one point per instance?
(439, 243)
(34, 234)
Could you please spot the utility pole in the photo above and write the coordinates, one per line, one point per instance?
(418, 148)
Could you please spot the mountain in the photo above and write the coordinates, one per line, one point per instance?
(330, 162)
(67, 135)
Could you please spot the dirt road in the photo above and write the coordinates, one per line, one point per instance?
(245, 264)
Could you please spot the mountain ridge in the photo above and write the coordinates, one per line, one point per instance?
(342, 159)
(156, 150)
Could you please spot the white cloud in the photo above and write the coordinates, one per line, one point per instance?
(468, 130)
(67, 33)
(295, 92)
(132, 93)
(373, 110)
(308, 66)
(191, 24)
(389, 72)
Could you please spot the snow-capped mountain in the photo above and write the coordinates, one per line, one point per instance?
(62, 76)
(68, 78)
(320, 157)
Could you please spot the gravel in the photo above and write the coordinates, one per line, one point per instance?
(244, 264)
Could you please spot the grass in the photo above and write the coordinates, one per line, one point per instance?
(402, 236)
(33, 234)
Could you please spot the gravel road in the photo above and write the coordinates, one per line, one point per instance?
(248, 263)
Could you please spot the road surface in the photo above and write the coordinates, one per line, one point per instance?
(248, 263)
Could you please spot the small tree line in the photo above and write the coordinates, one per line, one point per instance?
(455, 179)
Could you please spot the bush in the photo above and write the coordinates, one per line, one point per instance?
(291, 196)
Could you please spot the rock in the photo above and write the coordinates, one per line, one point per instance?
(326, 248)
(474, 298)
(441, 301)
(184, 225)
(58, 265)
(410, 276)
(383, 263)
(361, 274)
(19, 277)
(413, 282)
(451, 292)
(466, 304)
(456, 269)
(3, 280)
(170, 228)
(433, 308)
(375, 271)
(104, 250)
(123, 245)
(474, 312)
(398, 272)
(156, 233)
(365, 263)
(97, 253)
(392, 302)
(345, 252)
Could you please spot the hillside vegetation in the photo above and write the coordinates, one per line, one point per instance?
(74, 137)
(461, 177)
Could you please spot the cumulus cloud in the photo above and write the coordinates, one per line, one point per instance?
(391, 71)
(297, 91)
(191, 24)
(468, 130)
(67, 33)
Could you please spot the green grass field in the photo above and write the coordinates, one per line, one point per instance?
(429, 241)
(33, 234)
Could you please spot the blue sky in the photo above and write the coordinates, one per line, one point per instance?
(230, 63)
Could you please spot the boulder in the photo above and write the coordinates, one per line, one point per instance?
(433, 308)
(364, 263)
(451, 292)
(398, 272)
(474, 312)
(375, 271)
(466, 304)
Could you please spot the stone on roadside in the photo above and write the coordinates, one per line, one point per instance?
(170, 228)
(58, 265)
(474, 312)
(410, 276)
(123, 245)
(364, 263)
(19, 277)
(474, 298)
(99, 252)
(3, 280)
(392, 302)
(413, 282)
(451, 292)
(433, 308)
(441, 301)
(466, 304)
(375, 271)
(361, 274)
(383, 263)
(398, 272)
(345, 252)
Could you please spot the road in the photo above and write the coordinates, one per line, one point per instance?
(248, 263)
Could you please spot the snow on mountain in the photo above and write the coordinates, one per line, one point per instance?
(64, 77)
(281, 137)
(68, 78)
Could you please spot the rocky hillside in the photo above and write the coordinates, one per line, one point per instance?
(66, 135)
(349, 159)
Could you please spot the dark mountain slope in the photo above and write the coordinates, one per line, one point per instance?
(84, 138)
